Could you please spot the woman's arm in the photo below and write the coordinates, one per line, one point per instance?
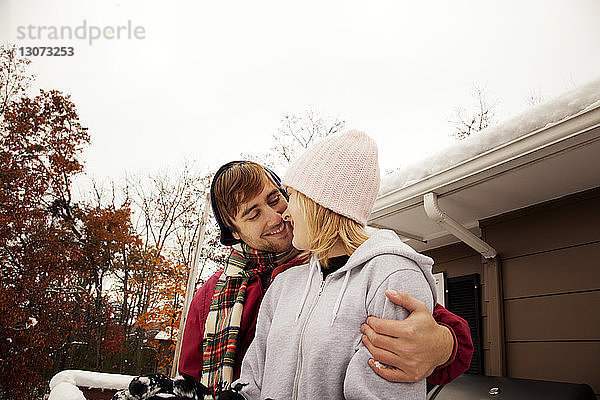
(438, 347)
(360, 381)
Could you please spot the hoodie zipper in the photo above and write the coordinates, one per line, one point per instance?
(299, 372)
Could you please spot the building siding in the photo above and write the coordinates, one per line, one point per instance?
(550, 263)
(551, 287)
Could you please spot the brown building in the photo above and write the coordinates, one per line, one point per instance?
(512, 220)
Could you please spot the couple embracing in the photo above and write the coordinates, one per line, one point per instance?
(311, 304)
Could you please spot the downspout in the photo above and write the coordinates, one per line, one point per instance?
(432, 208)
(492, 277)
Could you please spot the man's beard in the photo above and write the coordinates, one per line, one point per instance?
(280, 245)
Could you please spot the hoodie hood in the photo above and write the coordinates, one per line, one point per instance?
(379, 243)
(385, 241)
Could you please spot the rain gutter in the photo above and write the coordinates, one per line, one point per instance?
(435, 213)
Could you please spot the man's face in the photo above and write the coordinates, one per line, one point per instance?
(259, 223)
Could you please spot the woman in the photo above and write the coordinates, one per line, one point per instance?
(308, 340)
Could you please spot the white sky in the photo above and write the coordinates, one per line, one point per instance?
(212, 79)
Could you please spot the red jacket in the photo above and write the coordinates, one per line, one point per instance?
(190, 359)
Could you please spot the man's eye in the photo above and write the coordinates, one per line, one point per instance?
(254, 216)
(274, 201)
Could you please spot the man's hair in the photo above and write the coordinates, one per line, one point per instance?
(326, 227)
(237, 184)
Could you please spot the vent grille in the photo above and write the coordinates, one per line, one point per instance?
(464, 300)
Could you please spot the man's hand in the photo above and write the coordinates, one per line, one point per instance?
(414, 346)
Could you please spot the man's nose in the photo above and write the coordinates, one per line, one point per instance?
(274, 217)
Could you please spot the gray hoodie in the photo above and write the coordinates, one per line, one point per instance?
(308, 341)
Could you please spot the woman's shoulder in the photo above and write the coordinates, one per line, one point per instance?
(385, 252)
(386, 264)
(397, 272)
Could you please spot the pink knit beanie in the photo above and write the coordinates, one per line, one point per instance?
(340, 173)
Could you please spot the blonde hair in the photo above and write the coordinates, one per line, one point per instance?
(326, 228)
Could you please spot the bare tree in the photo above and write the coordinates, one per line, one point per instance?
(167, 206)
(534, 98)
(476, 119)
(295, 134)
(14, 75)
(166, 209)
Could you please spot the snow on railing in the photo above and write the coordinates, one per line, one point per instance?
(65, 385)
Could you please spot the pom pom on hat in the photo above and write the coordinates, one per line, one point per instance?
(340, 173)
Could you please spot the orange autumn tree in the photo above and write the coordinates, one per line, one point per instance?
(88, 284)
(169, 205)
(162, 318)
(107, 243)
(55, 255)
(41, 297)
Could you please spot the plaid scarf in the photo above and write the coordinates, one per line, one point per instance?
(222, 327)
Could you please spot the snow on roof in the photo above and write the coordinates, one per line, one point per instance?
(583, 98)
(89, 379)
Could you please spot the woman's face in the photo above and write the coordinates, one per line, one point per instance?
(294, 214)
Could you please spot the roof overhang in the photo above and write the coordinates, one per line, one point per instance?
(549, 163)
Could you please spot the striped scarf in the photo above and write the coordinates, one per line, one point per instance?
(222, 327)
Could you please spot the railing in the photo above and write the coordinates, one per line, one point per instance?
(86, 385)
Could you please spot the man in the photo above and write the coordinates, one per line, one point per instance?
(247, 201)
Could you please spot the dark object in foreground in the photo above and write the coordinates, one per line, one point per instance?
(480, 387)
(161, 387)
(182, 387)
